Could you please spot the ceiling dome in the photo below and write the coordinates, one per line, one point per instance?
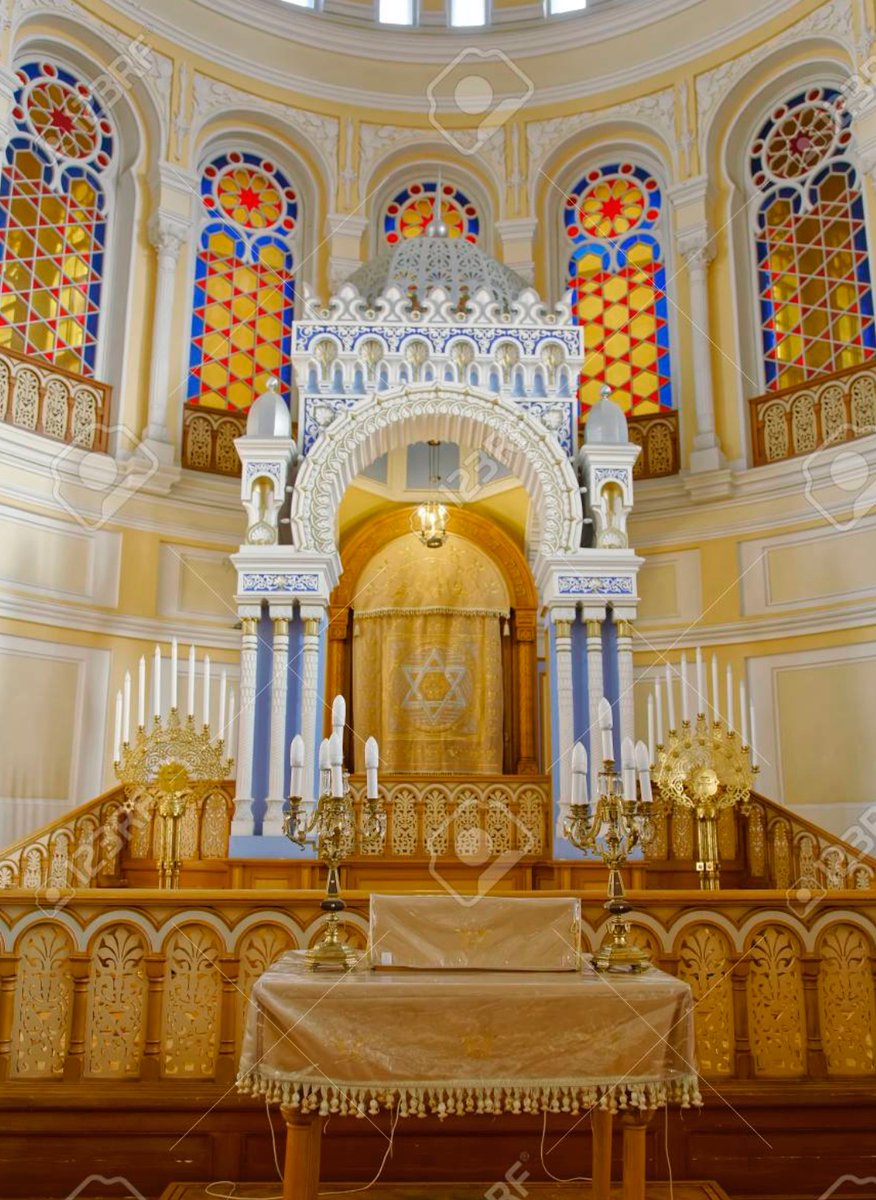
(419, 265)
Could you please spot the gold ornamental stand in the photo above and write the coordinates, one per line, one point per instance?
(705, 768)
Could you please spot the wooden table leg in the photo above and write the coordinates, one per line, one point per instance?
(601, 1124)
(635, 1126)
(303, 1144)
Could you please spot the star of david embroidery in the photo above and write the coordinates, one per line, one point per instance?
(435, 688)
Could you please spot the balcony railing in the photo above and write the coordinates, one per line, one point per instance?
(208, 439)
(825, 411)
(657, 434)
(55, 403)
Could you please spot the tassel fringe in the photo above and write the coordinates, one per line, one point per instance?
(448, 1099)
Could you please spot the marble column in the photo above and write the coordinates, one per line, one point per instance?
(626, 707)
(561, 657)
(595, 692)
(242, 823)
(313, 618)
(698, 250)
(167, 233)
(281, 615)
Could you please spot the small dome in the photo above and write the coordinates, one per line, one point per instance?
(420, 264)
(269, 416)
(606, 424)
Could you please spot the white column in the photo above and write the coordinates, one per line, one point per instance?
(167, 233)
(698, 250)
(281, 615)
(242, 824)
(562, 619)
(595, 690)
(626, 706)
(312, 615)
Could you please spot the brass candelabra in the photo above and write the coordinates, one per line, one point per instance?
(706, 768)
(333, 820)
(613, 826)
(169, 766)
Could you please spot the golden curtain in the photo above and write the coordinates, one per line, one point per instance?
(428, 685)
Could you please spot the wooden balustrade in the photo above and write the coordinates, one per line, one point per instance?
(826, 411)
(657, 434)
(208, 439)
(53, 402)
(125, 985)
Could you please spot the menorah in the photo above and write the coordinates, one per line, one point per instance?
(171, 761)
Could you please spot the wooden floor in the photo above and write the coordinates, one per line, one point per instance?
(682, 1190)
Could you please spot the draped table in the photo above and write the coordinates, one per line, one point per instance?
(451, 1043)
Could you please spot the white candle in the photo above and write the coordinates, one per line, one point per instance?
(141, 692)
(229, 741)
(729, 714)
(643, 769)
(325, 766)
(670, 698)
(651, 743)
(296, 761)
(628, 768)
(743, 712)
(716, 694)
(702, 703)
(372, 760)
(658, 703)
(190, 705)
(685, 714)
(339, 715)
(605, 722)
(174, 668)
(579, 774)
(223, 689)
(206, 689)
(126, 710)
(753, 736)
(336, 759)
(156, 682)
(117, 737)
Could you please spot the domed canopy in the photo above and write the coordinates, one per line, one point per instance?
(606, 424)
(420, 264)
(269, 416)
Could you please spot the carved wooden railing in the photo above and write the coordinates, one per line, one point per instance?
(91, 846)
(825, 411)
(53, 402)
(769, 847)
(158, 991)
(657, 434)
(208, 439)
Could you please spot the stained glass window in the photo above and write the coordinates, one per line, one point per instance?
(53, 218)
(244, 285)
(816, 303)
(410, 213)
(618, 279)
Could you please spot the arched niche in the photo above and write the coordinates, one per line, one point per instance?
(366, 542)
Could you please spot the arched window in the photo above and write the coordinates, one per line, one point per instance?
(244, 285)
(616, 272)
(411, 212)
(53, 218)
(813, 273)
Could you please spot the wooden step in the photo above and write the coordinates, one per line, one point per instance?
(704, 1189)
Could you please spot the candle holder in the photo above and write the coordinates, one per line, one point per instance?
(706, 768)
(613, 827)
(333, 820)
(173, 764)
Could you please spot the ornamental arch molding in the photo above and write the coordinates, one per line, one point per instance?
(452, 413)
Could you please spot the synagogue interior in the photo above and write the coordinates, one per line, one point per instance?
(437, 599)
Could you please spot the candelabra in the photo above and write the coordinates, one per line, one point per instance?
(706, 768)
(172, 764)
(333, 821)
(612, 826)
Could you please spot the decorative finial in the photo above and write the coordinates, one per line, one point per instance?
(605, 392)
(273, 384)
(436, 227)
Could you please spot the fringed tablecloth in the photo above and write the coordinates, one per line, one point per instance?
(457, 1042)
